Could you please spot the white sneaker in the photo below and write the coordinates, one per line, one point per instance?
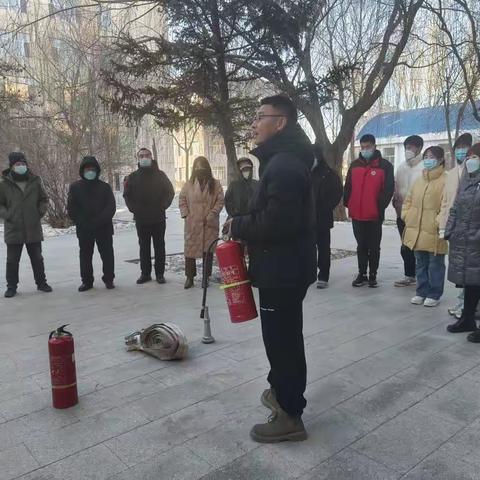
(457, 308)
(322, 284)
(416, 300)
(431, 302)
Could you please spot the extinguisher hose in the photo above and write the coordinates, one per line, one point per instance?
(205, 275)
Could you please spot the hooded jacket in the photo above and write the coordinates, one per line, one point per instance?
(91, 204)
(328, 191)
(22, 210)
(238, 196)
(148, 193)
(369, 188)
(407, 173)
(280, 228)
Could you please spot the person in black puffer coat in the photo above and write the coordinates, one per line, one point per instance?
(241, 191)
(91, 206)
(328, 191)
(462, 232)
(280, 236)
(148, 193)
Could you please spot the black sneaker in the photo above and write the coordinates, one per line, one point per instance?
(110, 285)
(372, 281)
(461, 326)
(10, 293)
(144, 279)
(46, 288)
(360, 281)
(84, 287)
(161, 280)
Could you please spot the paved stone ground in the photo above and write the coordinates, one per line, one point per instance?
(391, 394)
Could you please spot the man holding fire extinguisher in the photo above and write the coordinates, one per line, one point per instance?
(280, 233)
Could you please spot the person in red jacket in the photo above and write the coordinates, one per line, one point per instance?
(368, 191)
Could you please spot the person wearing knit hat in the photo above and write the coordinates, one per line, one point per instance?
(91, 206)
(420, 213)
(462, 230)
(23, 203)
(452, 180)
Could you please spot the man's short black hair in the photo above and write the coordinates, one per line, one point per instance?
(368, 138)
(464, 139)
(284, 104)
(414, 140)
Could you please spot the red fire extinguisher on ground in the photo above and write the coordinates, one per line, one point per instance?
(62, 368)
(236, 284)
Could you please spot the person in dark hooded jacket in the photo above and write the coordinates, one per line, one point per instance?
(241, 191)
(148, 193)
(91, 206)
(328, 191)
(280, 235)
(462, 231)
(23, 203)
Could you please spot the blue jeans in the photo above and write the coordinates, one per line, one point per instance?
(430, 274)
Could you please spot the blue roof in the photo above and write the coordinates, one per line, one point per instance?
(418, 122)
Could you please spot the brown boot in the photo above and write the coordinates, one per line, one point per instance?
(280, 428)
(188, 283)
(269, 400)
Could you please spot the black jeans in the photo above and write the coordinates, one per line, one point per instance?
(14, 253)
(472, 297)
(147, 233)
(282, 328)
(369, 237)
(323, 254)
(104, 243)
(407, 254)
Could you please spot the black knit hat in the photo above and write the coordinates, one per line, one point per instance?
(464, 139)
(15, 157)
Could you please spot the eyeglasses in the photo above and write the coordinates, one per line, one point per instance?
(257, 118)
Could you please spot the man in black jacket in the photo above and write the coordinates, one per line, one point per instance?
(328, 191)
(148, 193)
(91, 206)
(241, 191)
(280, 234)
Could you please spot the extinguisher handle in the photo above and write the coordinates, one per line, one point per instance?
(60, 331)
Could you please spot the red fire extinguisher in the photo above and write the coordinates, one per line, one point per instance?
(62, 368)
(236, 283)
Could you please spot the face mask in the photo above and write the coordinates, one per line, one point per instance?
(460, 154)
(430, 163)
(90, 174)
(367, 154)
(247, 174)
(409, 155)
(145, 162)
(201, 172)
(472, 164)
(20, 169)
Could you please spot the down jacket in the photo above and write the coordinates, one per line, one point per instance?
(22, 211)
(421, 211)
(463, 232)
(201, 211)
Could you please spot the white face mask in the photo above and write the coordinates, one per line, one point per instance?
(472, 164)
(409, 155)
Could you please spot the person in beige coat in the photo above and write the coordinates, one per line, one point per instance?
(201, 201)
(420, 213)
(452, 181)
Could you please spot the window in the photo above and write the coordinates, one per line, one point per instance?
(219, 173)
(17, 45)
(64, 8)
(105, 19)
(389, 154)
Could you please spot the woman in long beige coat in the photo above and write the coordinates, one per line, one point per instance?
(201, 201)
(420, 213)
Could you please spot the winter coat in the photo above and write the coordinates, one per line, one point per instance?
(452, 181)
(369, 188)
(420, 213)
(328, 191)
(407, 173)
(201, 211)
(463, 232)
(22, 210)
(148, 193)
(238, 196)
(280, 229)
(91, 205)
